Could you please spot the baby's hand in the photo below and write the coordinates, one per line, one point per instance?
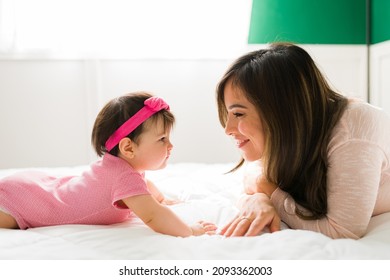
(170, 201)
(203, 228)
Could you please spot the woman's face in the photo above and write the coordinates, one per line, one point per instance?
(243, 123)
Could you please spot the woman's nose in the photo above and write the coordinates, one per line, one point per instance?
(229, 127)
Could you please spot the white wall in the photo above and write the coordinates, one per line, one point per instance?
(344, 66)
(42, 113)
(47, 107)
(380, 75)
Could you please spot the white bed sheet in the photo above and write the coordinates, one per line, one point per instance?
(207, 194)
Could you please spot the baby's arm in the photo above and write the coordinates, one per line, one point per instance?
(158, 195)
(162, 219)
(154, 191)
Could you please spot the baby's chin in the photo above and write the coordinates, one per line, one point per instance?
(161, 166)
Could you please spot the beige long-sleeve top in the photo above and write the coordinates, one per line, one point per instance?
(358, 175)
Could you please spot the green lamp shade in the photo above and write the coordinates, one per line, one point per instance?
(308, 21)
(380, 21)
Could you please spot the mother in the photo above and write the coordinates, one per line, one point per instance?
(321, 160)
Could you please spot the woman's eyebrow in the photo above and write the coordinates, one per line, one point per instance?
(237, 106)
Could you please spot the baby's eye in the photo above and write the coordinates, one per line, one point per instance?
(163, 139)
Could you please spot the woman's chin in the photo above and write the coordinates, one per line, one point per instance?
(250, 158)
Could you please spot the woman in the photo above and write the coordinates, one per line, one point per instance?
(321, 160)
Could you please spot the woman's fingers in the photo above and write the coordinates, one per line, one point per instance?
(237, 227)
(256, 227)
(226, 227)
(242, 227)
(230, 228)
(275, 224)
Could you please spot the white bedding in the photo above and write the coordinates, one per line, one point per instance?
(207, 194)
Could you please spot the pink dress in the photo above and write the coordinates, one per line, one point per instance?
(36, 199)
(358, 178)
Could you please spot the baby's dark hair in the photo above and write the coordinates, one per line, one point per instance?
(118, 111)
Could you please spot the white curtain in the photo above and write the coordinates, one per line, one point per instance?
(7, 26)
(124, 28)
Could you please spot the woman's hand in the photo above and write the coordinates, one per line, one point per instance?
(256, 213)
(255, 182)
(263, 186)
(203, 228)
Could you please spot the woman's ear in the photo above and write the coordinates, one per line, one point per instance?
(126, 147)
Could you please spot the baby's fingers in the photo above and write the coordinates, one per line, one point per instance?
(171, 201)
(207, 226)
(210, 227)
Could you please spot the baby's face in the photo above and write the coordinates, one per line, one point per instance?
(154, 147)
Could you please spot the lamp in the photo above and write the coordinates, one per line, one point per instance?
(308, 21)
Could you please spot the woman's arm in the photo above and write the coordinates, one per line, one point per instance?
(353, 181)
(162, 219)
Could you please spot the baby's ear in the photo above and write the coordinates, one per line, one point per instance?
(126, 147)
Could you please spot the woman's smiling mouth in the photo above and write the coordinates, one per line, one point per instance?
(241, 143)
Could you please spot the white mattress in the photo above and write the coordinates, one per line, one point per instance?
(207, 194)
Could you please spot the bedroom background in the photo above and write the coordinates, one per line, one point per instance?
(60, 61)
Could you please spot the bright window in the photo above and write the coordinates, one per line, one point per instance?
(124, 28)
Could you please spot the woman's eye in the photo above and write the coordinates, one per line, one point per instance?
(237, 115)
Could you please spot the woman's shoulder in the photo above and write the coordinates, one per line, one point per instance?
(363, 122)
(360, 108)
(361, 116)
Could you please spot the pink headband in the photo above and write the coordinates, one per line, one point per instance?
(152, 106)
